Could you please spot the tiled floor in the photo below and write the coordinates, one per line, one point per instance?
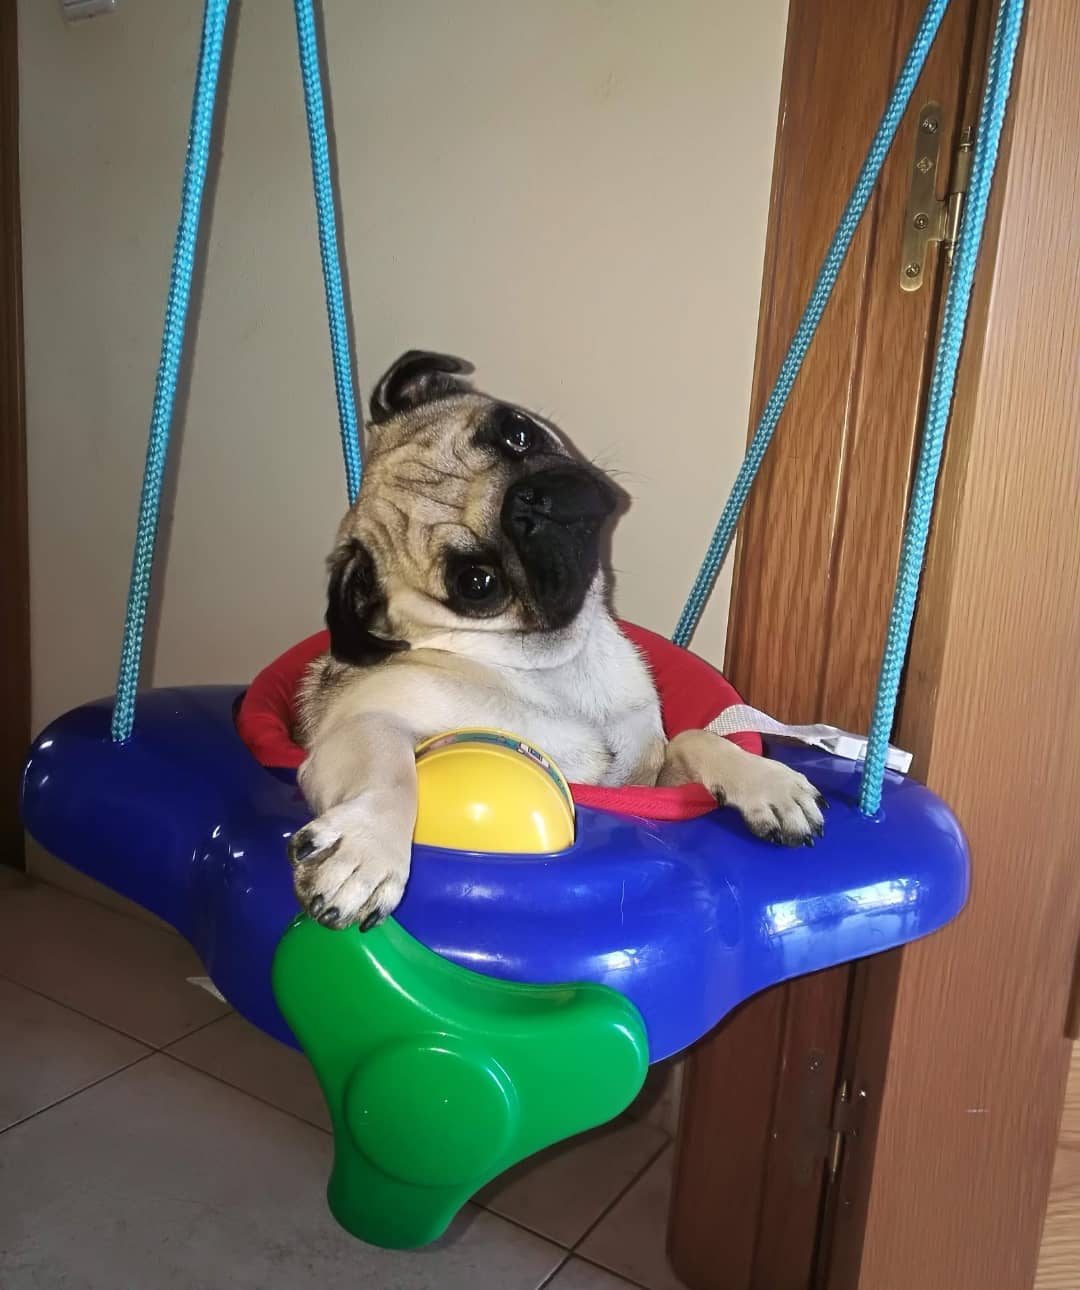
(149, 1137)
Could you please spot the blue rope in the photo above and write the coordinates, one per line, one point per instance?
(176, 310)
(172, 345)
(328, 244)
(804, 334)
(942, 384)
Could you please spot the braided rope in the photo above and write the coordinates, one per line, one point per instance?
(322, 176)
(176, 311)
(172, 347)
(804, 333)
(943, 381)
(939, 405)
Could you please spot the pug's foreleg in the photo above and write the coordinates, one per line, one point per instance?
(351, 863)
(777, 803)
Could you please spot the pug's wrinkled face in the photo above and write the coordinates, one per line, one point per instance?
(473, 515)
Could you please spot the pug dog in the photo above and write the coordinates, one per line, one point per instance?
(466, 588)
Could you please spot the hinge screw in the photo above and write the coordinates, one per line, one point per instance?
(930, 124)
(912, 270)
(921, 220)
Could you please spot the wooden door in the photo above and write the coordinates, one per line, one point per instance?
(956, 1049)
(14, 556)
(817, 553)
(1059, 1253)
(979, 1051)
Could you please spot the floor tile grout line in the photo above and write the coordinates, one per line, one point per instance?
(573, 1247)
(619, 1196)
(518, 1223)
(621, 1276)
(43, 1110)
(78, 1012)
(32, 880)
(555, 1271)
(245, 1092)
(571, 1256)
(108, 1025)
(547, 1237)
(564, 1250)
(567, 1253)
(165, 1051)
(6, 976)
(204, 1025)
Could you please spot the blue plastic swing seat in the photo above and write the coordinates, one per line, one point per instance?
(686, 919)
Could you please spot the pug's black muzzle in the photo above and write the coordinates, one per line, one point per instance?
(553, 520)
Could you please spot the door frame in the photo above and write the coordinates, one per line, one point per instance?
(778, 1183)
(14, 539)
(814, 568)
(985, 1013)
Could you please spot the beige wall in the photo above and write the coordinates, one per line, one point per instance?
(572, 194)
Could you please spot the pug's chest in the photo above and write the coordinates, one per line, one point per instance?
(599, 718)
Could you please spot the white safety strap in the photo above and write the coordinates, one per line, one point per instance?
(740, 718)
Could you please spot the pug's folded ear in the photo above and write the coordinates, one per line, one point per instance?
(356, 604)
(418, 377)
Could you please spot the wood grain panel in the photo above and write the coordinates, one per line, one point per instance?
(1059, 1253)
(799, 1138)
(14, 551)
(864, 1062)
(820, 539)
(717, 1172)
(979, 1059)
(817, 553)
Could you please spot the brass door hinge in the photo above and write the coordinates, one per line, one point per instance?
(849, 1110)
(930, 218)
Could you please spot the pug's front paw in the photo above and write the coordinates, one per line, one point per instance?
(345, 870)
(777, 803)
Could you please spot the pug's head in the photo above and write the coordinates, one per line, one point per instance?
(474, 516)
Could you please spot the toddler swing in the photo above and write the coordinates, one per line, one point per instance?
(514, 999)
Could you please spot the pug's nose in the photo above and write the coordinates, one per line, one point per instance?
(532, 501)
(568, 495)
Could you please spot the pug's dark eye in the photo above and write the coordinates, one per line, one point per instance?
(518, 433)
(476, 583)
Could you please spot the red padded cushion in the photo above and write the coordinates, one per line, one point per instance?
(691, 693)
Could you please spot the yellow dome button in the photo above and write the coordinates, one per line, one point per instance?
(487, 790)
